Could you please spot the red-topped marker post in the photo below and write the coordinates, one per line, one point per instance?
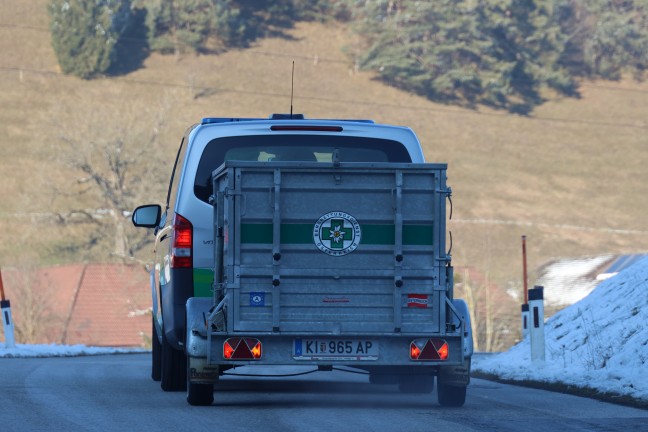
(525, 305)
(7, 322)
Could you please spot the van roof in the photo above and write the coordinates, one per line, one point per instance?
(215, 120)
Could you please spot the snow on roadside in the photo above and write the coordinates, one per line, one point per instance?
(600, 342)
(54, 350)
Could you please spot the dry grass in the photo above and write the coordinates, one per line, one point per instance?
(571, 177)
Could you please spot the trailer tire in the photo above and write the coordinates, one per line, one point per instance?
(200, 394)
(173, 375)
(416, 384)
(451, 396)
(156, 354)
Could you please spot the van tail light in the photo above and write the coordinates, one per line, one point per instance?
(429, 349)
(182, 252)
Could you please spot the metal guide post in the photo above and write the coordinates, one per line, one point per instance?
(536, 330)
(398, 250)
(525, 320)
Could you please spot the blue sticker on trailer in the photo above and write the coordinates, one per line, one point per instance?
(257, 299)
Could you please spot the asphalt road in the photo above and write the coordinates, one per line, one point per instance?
(115, 393)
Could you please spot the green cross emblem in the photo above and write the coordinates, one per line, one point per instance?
(337, 233)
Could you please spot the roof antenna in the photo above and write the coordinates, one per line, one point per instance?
(292, 87)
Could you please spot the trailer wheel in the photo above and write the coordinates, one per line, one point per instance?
(451, 396)
(416, 383)
(156, 354)
(173, 375)
(200, 394)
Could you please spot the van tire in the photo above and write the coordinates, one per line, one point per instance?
(173, 375)
(156, 354)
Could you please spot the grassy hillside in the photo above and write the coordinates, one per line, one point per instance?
(572, 176)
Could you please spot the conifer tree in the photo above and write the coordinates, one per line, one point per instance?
(176, 26)
(605, 37)
(84, 33)
(496, 52)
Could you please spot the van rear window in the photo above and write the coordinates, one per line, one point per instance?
(311, 148)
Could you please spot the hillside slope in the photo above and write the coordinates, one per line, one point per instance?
(571, 177)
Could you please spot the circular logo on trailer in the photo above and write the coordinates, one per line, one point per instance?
(336, 233)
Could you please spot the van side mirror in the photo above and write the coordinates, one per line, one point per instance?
(147, 216)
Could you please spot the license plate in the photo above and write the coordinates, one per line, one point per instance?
(335, 349)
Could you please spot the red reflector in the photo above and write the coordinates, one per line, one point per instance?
(429, 352)
(429, 349)
(242, 352)
(242, 349)
(306, 128)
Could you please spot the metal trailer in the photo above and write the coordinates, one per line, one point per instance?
(332, 264)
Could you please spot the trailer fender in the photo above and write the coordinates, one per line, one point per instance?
(197, 342)
(462, 308)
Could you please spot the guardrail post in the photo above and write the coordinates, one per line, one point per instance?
(7, 322)
(536, 330)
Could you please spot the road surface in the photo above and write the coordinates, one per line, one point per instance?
(115, 393)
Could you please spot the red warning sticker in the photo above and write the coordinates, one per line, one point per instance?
(417, 300)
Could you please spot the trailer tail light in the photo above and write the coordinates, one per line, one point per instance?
(182, 252)
(429, 349)
(242, 349)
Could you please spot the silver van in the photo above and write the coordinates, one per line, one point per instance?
(183, 227)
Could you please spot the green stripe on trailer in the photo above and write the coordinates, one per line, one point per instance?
(203, 282)
(372, 234)
(418, 235)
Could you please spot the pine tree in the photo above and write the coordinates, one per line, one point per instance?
(239, 22)
(176, 26)
(496, 52)
(605, 37)
(84, 33)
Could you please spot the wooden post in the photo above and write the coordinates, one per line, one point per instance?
(524, 270)
(525, 305)
(2, 293)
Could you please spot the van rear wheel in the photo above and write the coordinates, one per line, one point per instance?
(156, 354)
(173, 375)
